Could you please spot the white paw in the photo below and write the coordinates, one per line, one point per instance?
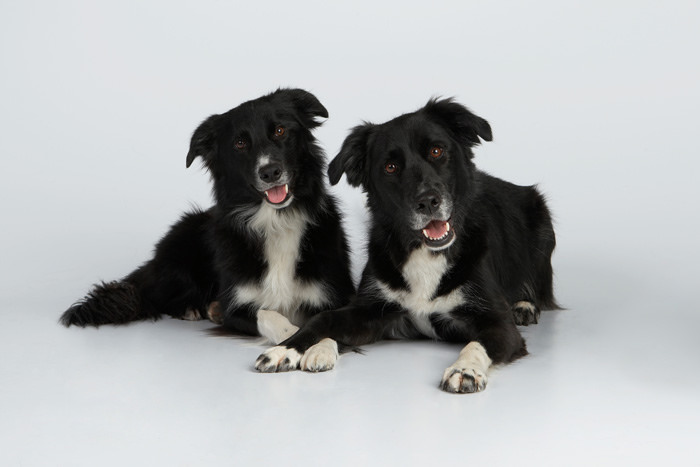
(276, 359)
(463, 380)
(191, 315)
(321, 356)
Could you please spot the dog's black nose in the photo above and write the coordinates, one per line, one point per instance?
(270, 173)
(428, 202)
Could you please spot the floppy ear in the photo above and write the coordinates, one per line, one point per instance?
(307, 106)
(466, 126)
(203, 142)
(352, 157)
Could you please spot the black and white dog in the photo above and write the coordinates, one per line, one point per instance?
(268, 255)
(454, 254)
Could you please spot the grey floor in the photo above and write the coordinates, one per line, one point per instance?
(596, 103)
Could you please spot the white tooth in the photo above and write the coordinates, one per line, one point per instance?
(267, 195)
(425, 233)
(286, 188)
(448, 226)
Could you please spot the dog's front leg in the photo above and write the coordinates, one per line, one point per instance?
(308, 351)
(321, 356)
(249, 319)
(275, 327)
(470, 372)
(497, 340)
(316, 344)
(288, 355)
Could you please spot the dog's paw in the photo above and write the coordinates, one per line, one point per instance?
(463, 380)
(191, 314)
(526, 313)
(214, 313)
(278, 358)
(321, 356)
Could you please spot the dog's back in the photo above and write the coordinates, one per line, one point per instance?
(520, 239)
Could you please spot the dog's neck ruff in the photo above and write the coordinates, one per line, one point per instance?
(278, 289)
(267, 220)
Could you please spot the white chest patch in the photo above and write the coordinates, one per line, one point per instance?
(423, 272)
(278, 289)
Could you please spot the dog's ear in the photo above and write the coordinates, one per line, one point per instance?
(352, 157)
(466, 126)
(203, 142)
(308, 107)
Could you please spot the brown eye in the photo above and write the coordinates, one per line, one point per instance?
(279, 130)
(435, 152)
(240, 143)
(391, 168)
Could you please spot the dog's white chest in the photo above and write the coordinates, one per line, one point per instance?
(279, 290)
(423, 272)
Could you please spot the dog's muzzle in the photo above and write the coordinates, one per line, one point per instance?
(432, 216)
(273, 182)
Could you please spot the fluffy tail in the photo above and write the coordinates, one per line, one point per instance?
(180, 281)
(116, 302)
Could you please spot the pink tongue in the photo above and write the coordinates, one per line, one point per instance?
(436, 229)
(276, 195)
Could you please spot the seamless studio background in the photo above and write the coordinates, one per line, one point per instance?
(594, 101)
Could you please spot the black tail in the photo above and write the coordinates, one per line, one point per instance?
(116, 302)
(544, 290)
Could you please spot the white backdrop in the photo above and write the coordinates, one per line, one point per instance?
(597, 102)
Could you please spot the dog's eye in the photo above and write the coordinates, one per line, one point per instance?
(391, 168)
(280, 130)
(240, 143)
(436, 152)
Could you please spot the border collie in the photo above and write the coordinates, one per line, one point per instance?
(454, 254)
(268, 255)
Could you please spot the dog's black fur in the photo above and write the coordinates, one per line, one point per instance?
(490, 266)
(267, 173)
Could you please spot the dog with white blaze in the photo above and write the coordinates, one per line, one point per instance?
(268, 255)
(454, 254)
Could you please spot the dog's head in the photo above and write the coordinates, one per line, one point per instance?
(417, 170)
(262, 150)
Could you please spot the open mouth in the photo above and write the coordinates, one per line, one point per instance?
(438, 234)
(278, 194)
